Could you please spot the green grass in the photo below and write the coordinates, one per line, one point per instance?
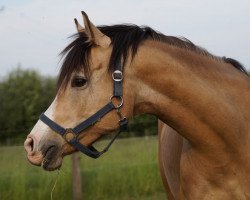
(129, 171)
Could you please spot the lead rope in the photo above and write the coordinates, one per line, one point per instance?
(54, 186)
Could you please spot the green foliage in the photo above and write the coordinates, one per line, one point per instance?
(24, 94)
(142, 125)
(128, 171)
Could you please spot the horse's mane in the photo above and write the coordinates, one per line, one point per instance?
(125, 38)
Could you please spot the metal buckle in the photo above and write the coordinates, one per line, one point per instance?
(117, 75)
(69, 134)
(119, 98)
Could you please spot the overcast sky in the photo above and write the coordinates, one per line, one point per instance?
(33, 32)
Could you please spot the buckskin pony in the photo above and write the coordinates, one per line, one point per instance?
(111, 73)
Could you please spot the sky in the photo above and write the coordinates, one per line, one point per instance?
(33, 32)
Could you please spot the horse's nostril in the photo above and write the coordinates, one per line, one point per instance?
(29, 145)
(34, 156)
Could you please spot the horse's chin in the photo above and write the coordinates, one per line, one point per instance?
(52, 159)
(45, 161)
(51, 165)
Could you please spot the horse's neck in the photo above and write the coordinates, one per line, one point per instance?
(192, 93)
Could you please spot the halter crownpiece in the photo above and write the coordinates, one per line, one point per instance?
(71, 134)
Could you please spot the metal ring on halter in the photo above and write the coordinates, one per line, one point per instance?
(69, 134)
(119, 98)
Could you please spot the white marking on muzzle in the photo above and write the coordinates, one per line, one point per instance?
(41, 130)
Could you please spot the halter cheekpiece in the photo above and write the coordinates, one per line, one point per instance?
(71, 134)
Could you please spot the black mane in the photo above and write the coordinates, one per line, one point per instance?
(124, 38)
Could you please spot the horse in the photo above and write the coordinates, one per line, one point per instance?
(111, 73)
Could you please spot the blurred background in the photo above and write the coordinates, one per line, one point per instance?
(32, 34)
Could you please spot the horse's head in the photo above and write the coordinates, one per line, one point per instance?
(84, 87)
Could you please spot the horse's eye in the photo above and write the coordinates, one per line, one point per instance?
(78, 82)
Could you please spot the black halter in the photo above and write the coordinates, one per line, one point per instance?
(71, 134)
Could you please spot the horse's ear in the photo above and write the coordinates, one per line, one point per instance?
(94, 34)
(78, 26)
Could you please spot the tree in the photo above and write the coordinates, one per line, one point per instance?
(24, 95)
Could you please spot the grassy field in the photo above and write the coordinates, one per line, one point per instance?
(129, 171)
